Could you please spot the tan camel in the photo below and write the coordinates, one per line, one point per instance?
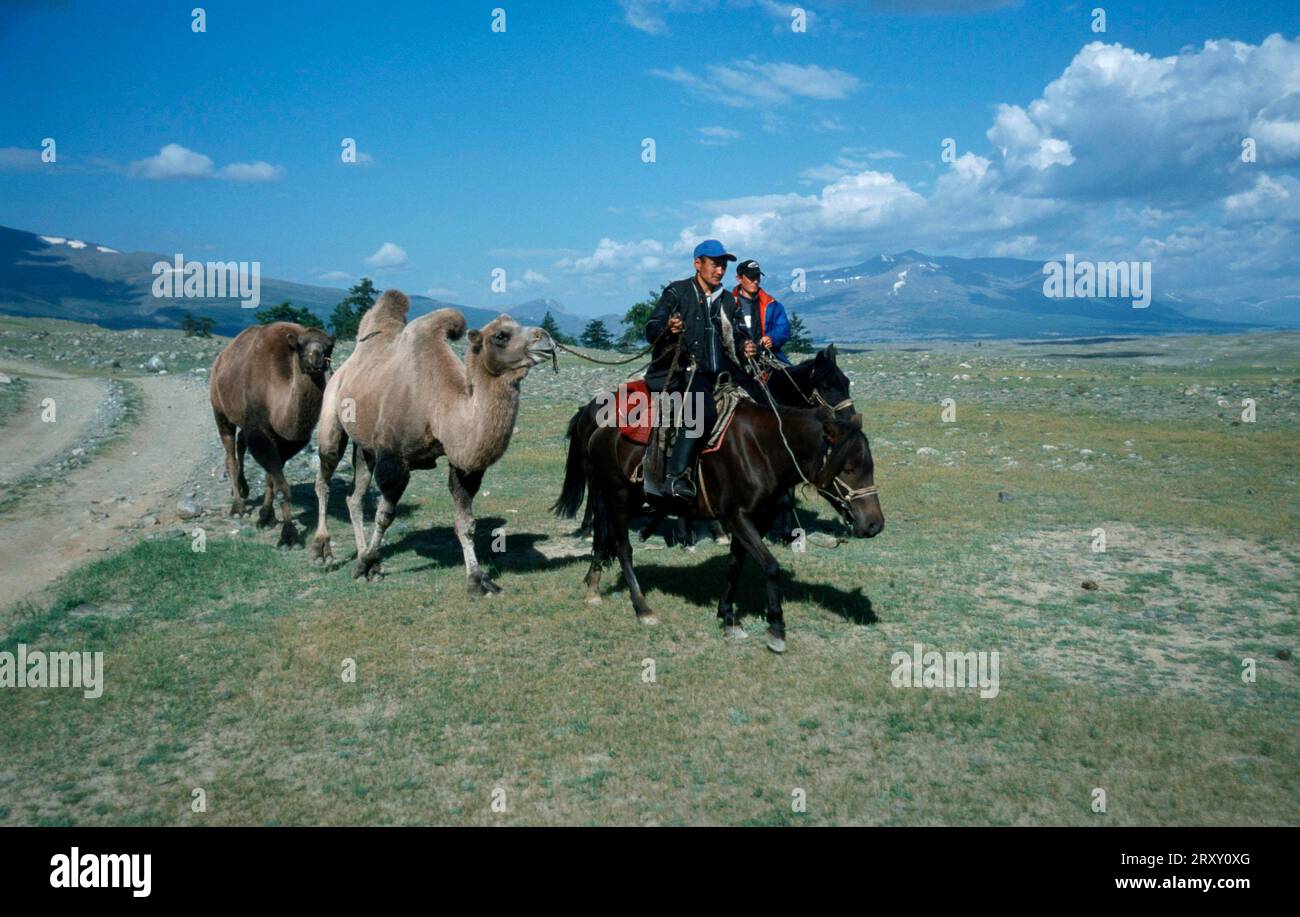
(404, 399)
(268, 385)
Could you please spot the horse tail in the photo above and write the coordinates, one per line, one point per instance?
(575, 475)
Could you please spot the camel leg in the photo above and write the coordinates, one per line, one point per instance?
(392, 476)
(241, 447)
(464, 485)
(361, 475)
(289, 536)
(330, 442)
(267, 454)
(726, 608)
(744, 531)
(234, 469)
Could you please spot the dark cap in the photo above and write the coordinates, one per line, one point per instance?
(749, 269)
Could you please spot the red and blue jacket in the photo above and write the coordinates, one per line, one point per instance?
(771, 321)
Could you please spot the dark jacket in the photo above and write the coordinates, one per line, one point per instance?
(703, 337)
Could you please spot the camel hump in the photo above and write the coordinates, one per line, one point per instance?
(386, 316)
(447, 322)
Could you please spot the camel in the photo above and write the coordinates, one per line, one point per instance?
(266, 390)
(405, 399)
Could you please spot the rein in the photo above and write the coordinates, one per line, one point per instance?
(844, 495)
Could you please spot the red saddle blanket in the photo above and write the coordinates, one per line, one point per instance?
(637, 413)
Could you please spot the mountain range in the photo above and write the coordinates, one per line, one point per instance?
(914, 295)
(59, 277)
(908, 295)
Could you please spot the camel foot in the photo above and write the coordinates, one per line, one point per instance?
(481, 584)
(648, 619)
(734, 632)
(368, 569)
(594, 599)
(289, 537)
(320, 553)
(774, 643)
(265, 518)
(237, 508)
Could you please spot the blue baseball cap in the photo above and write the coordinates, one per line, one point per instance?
(712, 248)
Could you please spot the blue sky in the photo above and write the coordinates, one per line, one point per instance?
(523, 150)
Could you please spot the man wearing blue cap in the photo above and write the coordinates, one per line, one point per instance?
(701, 315)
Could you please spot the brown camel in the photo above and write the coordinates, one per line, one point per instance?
(404, 398)
(268, 384)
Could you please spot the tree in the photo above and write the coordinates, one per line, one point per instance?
(551, 327)
(596, 336)
(346, 318)
(633, 337)
(800, 340)
(287, 312)
(196, 326)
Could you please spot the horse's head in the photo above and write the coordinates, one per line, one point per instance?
(831, 387)
(846, 475)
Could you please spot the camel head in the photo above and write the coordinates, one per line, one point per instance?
(503, 346)
(313, 348)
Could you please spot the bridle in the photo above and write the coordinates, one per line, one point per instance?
(844, 495)
(811, 400)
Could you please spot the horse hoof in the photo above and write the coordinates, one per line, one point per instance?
(289, 537)
(734, 632)
(649, 620)
(482, 585)
(776, 644)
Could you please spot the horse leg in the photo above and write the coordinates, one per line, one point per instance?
(726, 610)
(744, 530)
(330, 442)
(618, 520)
(361, 474)
(234, 471)
(464, 485)
(392, 476)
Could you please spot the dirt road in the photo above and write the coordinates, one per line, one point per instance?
(142, 473)
(44, 428)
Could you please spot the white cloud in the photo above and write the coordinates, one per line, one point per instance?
(752, 83)
(388, 256)
(1122, 155)
(251, 171)
(612, 256)
(173, 161)
(1019, 247)
(176, 161)
(717, 136)
(16, 158)
(336, 276)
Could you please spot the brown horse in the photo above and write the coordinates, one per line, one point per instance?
(765, 453)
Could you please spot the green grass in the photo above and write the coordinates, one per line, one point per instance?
(223, 669)
(13, 397)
